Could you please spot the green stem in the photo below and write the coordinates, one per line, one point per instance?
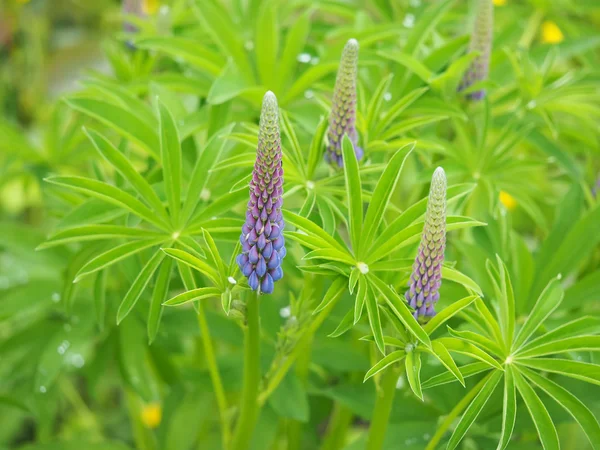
(142, 436)
(294, 432)
(249, 405)
(383, 408)
(341, 418)
(215, 377)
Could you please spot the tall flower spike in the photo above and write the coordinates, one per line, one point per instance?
(342, 118)
(262, 240)
(426, 277)
(481, 42)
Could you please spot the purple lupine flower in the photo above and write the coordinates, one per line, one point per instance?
(262, 240)
(343, 107)
(426, 277)
(481, 42)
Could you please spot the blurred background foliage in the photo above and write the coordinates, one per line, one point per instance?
(71, 379)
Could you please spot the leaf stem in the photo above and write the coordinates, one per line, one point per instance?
(341, 418)
(383, 407)
(249, 407)
(213, 371)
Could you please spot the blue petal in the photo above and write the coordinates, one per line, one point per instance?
(267, 284)
(253, 281)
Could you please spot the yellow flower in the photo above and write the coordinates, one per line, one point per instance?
(499, 2)
(151, 415)
(508, 200)
(551, 34)
(150, 6)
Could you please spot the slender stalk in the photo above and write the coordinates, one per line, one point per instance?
(341, 418)
(249, 405)
(294, 432)
(215, 377)
(383, 408)
(142, 436)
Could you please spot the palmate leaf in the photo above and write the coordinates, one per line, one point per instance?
(570, 403)
(381, 196)
(121, 120)
(138, 286)
(441, 353)
(96, 232)
(539, 414)
(109, 194)
(374, 319)
(581, 326)
(195, 263)
(571, 344)
(474, 409)
(170, 155)
(587, 372)
(466, 371)
(159, 295)
(193, 295)
(115, 255)
(384, 362)
(127, 171)
(509, 408)
(337, 288)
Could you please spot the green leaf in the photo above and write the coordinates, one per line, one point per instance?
(170, 155)
(481, 341)
(411, 63)
(206, 160)
(584, 291)
(450, 274)
(223, 32)
(374, 107)
(190, 50)
(316, 150)
(120, 162)
(474, 409)
(266, 40)
(294, 44)
(398, 108)
(587, 372)
(138, 286)
(308, 79)
(115, 255)
(374, 318)
(223, 204)
(361, 296)
(381, 196)
(447, 313)
(400, 309)
(571, 404)
(427, 22)
(548, 301)
(193, 295)
(583, 325)
(100, 298)
(539, 414)
(295, 152)
(95, 232)
(311, 228)
(344, 325)
(109, 194)
(509, 409)
(121, 120)
(334, 292)
(194, 263)
(290, 399)
(353, 192)
(468, 370)
(507, 303)
(214, 253)
(459, 346)
(386, 361)
(413, 372)
(441, 352)
(161, 289)
(570, 344)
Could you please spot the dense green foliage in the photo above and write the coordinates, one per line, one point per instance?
(125, 321)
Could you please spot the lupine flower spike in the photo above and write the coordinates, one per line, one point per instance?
(342, 119)
(481, 42)
(262, 240)
(426, 277)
